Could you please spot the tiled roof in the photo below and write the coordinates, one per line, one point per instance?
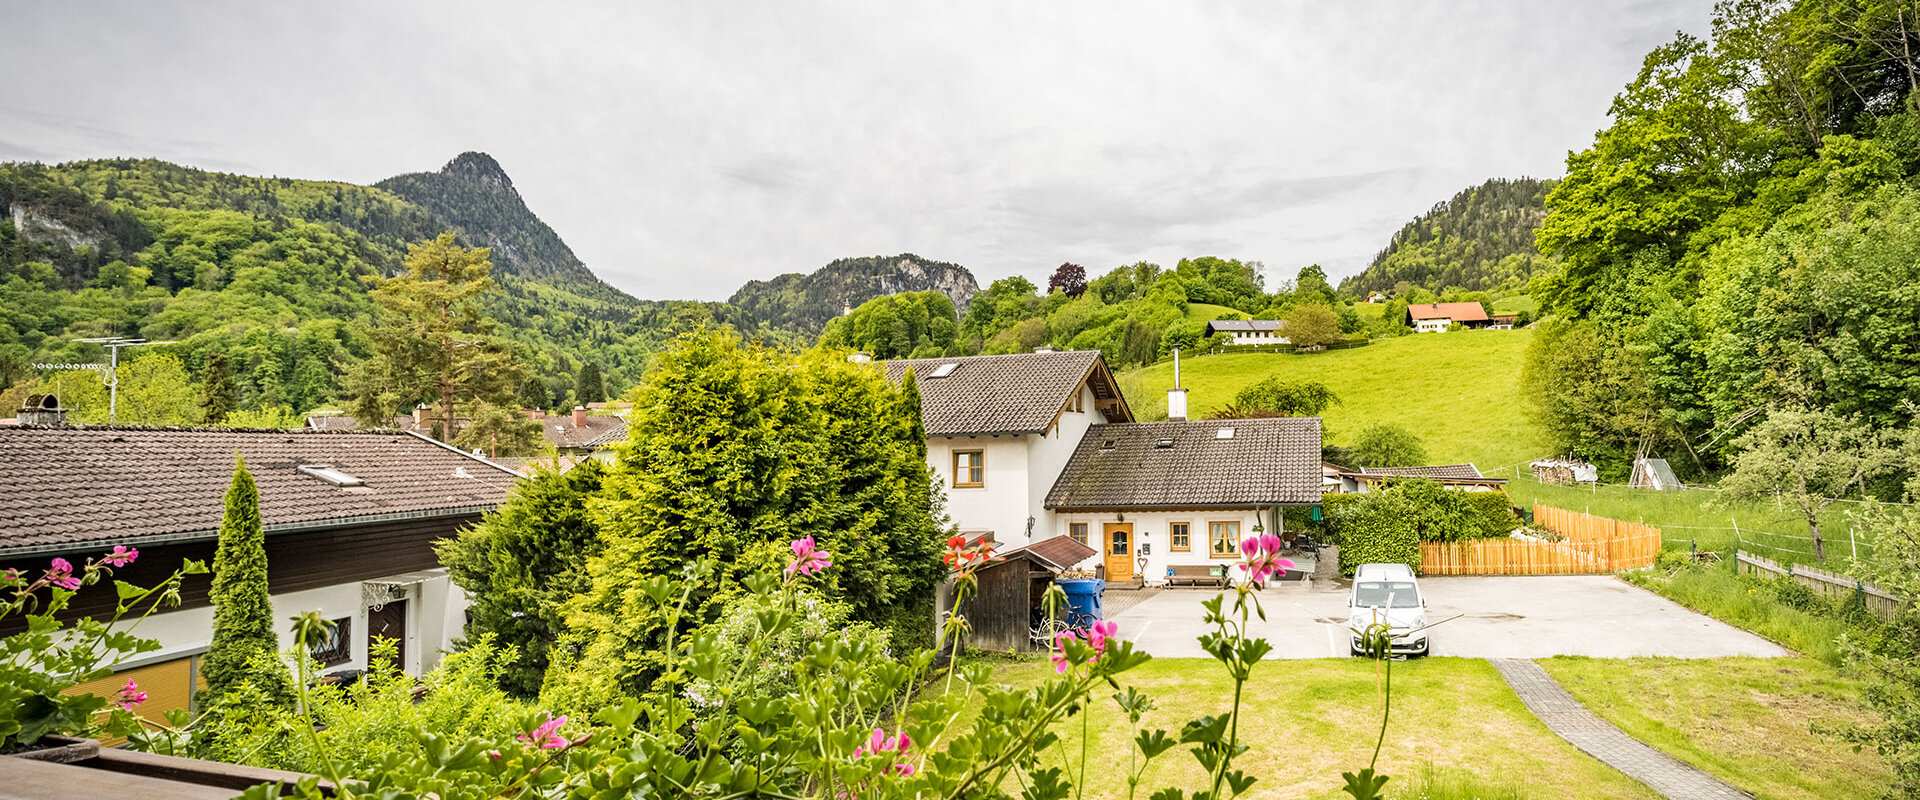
(1245, 325)
(1433, 471)
(1458, 312)
(1060, 551)
(599, 431)
(1014, 393)
(102, 486)
(1190, 464)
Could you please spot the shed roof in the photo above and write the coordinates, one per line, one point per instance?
(1060, 551)
(1237, 463)
(1430, 471)
(1458, 312)
(1244, 325)
(91, 487)
(1007, 394)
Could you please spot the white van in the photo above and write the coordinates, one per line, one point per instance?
(1389, 593)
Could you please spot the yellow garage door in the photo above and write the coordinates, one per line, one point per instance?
(168, 684)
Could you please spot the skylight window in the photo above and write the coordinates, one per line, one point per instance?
(1224, 433)
(327, 473)
(945, 369)
(1164, 444)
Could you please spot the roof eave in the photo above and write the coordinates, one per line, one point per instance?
(211, 534)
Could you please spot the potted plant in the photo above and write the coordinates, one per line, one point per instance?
(39, 719)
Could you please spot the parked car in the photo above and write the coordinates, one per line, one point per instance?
(1389, 593)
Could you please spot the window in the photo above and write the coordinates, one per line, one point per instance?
(1078, 531)
(944, 370)
(1224, 538)
(1179, 538)
(969, 469)
(334, 650)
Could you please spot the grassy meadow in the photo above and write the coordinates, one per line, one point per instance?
(1746, 721)
(1460, 392)
(1456, 727)
(1207, 312)
(1705, 520)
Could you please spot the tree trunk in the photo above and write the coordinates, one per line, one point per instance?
(1819, 547)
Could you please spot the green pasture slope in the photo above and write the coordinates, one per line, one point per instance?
(1459, 391)
(1208, 312)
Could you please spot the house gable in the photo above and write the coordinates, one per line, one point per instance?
(1013, 394)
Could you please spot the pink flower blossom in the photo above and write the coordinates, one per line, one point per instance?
(880, 742)
(1097, 636)
(1100, 633)
(1263, 559)
(545, 735)
(61, 574)
(121, 556)
(130, 695)
(808, 559)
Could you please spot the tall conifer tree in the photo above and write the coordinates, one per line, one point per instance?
(244, 649)
(220, 395)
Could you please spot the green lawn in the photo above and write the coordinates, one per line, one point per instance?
(1743, 720)
(1207, 312)
(1460, 392)
(1704, 519)
(1516, 304)
(1307, 721)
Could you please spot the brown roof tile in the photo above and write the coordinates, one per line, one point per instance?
(600, 431)
(1061, 551)
(1458, 312)
(1013, 393)
(1265, 462)
(1432, 471)
(101, 486)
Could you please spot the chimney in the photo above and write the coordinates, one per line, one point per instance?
(41, 409)
(860, 357)
(1176, 396)
(579, 417)
(422, 416)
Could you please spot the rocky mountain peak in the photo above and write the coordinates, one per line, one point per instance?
(480, 170)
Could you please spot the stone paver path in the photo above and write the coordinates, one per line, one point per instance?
(1115, 601)
(1549, 701)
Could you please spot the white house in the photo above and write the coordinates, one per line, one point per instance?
(350, 519)
(1441, 317)
(1250, 331)
(1032, 446)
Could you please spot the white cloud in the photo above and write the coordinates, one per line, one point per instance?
(682, 149)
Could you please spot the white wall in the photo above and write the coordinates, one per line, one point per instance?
(1020, 470)
(1432, 325)
(1150, 528)
(436, 615)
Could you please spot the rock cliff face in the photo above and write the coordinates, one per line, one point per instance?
(805, 302)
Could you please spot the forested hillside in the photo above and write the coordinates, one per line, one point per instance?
(805, 302)
(1479, 240)
(273, 272)
(1743, 239)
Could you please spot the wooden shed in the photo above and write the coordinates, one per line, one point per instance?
(1011, 588)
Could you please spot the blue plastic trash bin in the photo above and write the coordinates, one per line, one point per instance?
(1083, 600)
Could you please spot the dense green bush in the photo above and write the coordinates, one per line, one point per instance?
(1373, 528)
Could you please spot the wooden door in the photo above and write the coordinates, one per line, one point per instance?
(1118, 541)
(389, 622)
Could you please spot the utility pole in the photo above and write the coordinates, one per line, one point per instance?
(110, 373)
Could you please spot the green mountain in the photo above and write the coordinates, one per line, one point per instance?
(1480, 240)
(805, 302)
(274, 271)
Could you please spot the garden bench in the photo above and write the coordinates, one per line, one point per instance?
(1197, 574)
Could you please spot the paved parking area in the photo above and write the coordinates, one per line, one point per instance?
(1501, 617)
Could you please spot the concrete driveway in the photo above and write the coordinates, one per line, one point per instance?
(1502, 617)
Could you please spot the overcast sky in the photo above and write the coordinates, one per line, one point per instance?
(683, 149)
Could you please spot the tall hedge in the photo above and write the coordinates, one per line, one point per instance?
(1388, 525)
(244, 649)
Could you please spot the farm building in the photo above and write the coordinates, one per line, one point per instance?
(1250, 331)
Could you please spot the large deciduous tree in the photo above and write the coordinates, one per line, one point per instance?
(432, 340)
(1810, 458)
(735, 451)
(1388, 445)
(1069, 279)
(1279, 397)
(1312, 325)
(244, 650)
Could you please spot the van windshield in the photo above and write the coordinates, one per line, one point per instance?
(1374, 594)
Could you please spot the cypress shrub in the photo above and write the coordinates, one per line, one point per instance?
(244, 648)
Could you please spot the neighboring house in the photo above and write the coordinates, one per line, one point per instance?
(1031, 446)
(1438, 317)
(1654, 473)
(350, 520)
(1501, 322)
(1462, 477)
(580, 433)
(1250, 331)
(1378, 297)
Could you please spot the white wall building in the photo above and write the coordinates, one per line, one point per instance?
(1250, 331)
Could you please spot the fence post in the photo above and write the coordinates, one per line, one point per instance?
(1853, 542)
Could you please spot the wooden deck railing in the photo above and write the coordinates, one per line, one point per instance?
(1590, 545)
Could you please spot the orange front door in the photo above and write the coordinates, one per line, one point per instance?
(1119, 551)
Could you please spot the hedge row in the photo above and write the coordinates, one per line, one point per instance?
(1388, 526)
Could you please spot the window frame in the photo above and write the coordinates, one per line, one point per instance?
(1180, 548)
(1233, 540)
(338, 648)
(1081, 535)
(979, 465)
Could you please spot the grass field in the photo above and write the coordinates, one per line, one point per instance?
(1460, 392)
(1206, 312)
(1515, 304)
(1745, 721)
(1308, 721)
(1705, 520)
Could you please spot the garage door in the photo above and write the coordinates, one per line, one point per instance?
(169, 685)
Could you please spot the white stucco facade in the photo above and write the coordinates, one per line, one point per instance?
(1440, 325)
(1151, 539)
(1020, 469)
(1258, 337)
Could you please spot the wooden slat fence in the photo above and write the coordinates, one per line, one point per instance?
(1830, 584)
(1591, 545)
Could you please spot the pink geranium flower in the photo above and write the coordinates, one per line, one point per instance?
(130, 695)
(61, 574)
(808, 559)
(546, 736)
(880, 742)
(1263, 561)
(1097, 636)
(121, 556)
